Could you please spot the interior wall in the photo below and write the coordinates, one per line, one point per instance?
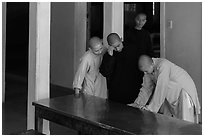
(68, 40)
(184, 40)
(62, 43)
(80, 32)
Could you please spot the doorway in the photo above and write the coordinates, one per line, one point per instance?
(17, 30)
(94, 20)
(152, 10)
(14, 109)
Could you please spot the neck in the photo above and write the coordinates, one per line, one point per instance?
(138, 28)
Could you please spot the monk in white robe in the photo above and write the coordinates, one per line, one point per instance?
(175, 92)
(88, 79)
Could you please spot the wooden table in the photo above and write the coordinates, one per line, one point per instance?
(92, 115)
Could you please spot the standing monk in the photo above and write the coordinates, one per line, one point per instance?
(137, 41)
(88, 79)
(120, 68)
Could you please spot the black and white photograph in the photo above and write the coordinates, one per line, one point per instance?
(101, 67)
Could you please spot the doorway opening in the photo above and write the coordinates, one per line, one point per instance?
(14, 109)
(152, 10)
(94, 20)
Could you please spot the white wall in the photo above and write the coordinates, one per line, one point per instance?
(62, 43)
(68, 40)
(184, 41)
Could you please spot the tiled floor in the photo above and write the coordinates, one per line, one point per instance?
(14, 110)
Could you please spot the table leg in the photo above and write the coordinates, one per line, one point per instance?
(38, 122)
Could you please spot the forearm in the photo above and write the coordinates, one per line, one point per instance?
(158, 98)
(107, 65)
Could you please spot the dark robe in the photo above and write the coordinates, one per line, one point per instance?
(124, 79)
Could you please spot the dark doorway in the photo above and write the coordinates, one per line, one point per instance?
(14, 110)
(94, 20)
(152, 10)
(17, 31)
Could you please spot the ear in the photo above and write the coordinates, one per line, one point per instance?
(145, 21)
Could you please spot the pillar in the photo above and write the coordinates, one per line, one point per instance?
(39, 58)
(113, 19)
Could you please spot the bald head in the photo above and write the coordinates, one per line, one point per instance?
(96, 45)
(140, 15)
(145, 59)
(94, 42)
(145, 64)
(113, 38)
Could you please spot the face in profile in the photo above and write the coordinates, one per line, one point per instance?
(140, 21)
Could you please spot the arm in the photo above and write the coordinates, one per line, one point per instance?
(142, 98)
(161, 88)
(80, 74)
(145, 92)
(107, 65)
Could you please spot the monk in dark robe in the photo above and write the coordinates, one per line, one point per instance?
(120, 68)
(137, 41)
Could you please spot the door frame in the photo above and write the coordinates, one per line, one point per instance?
(162, 30)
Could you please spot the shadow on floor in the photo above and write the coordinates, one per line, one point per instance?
(14, 110)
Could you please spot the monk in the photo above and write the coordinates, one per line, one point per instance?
(88, 79)
(175, 92)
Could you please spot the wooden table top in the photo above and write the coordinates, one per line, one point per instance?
(112, 115)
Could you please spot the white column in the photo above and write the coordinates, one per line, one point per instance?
(162, 29)
(3, 48)
(113, 19)
(39, 58)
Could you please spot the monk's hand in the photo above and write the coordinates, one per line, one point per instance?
(77, 92)
(145, 108)
(110, 50)
(134, 105)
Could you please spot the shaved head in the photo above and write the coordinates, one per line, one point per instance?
(145, 64)
(96, 45)
(94, 42)
(144, 59)
(113, 38)
(140, 15)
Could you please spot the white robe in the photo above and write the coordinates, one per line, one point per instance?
(174, 85)
(88, 78)
(145, 92)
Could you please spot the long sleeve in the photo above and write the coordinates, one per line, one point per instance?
(107, 65)
(80, 74)
(145, 92)
(161, 88)
(143, 96)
